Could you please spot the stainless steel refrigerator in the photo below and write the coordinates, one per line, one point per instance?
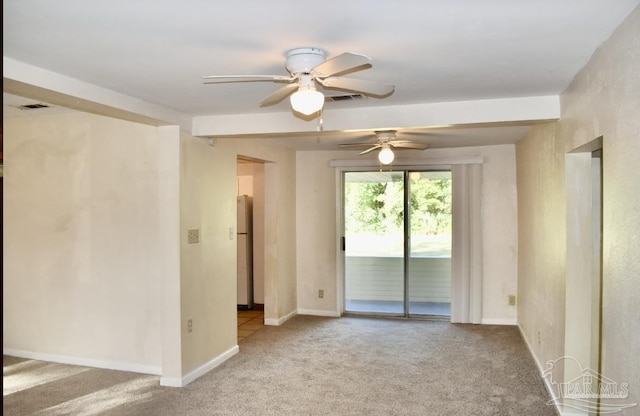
(245, 253)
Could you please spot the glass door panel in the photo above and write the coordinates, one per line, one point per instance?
(398, 262)
(429, 257)
(374, 242)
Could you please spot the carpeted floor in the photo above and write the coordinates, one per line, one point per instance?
(311, 366)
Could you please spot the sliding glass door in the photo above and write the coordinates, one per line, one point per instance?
(397, 242)
(374, 242)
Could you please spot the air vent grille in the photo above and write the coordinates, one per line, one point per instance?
(32, 106)
(348, 97)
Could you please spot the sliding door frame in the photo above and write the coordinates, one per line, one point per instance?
(343, 166)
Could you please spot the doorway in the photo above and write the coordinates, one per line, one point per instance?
(583, 304)
(251, 183)
(397, 242)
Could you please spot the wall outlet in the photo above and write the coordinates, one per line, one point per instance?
(539, 338)
(190, 325)
(193, 236)
(321, 293)
(512, 300)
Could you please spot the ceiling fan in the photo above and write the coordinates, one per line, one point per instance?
(386, 142)
(308, 68)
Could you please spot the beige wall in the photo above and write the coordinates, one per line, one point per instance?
(97, 268)
(208, 268)
(602, 100)
(317, 236)
(81, 247)
(279, 238)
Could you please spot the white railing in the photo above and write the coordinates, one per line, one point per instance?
(382, 278)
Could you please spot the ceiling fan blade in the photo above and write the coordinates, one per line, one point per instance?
(356, 145)
(279, 95)
(347, 61)
(409, 145)
(220, 79)
(377, 146)
(357, 85)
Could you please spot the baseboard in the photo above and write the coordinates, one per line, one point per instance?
(64, 359)
(541, 370)
(498, 322)
(280, 321)
(314, 312)
(200, 371)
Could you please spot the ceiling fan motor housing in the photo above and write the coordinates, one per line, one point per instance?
(385, 136)
(303, 60)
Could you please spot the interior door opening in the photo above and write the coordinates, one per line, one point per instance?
(584, 279)
(250, 233)
(397, 247)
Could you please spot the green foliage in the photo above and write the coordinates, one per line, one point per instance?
(367, 203)
(378, 206)
(431, 206)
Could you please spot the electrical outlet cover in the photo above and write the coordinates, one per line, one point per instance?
(193, 236)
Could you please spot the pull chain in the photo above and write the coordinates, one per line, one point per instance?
(320, 120)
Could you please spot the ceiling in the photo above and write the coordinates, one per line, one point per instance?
(431, 50)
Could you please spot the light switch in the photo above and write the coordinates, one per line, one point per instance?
(232, 233)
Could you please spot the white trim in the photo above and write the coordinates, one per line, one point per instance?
(280, 321)
(370, 163)
(27, 80)
(340, 234)
(317, 312)
(488, 112)
(499, 321)
(63, 359)
(200, 371)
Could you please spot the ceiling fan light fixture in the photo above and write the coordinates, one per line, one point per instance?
(386, 155)
(307, 100)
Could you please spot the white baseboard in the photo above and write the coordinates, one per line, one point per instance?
(314, 312)
(200, 371)
(280, 321)
(498, 321)
(541, 370)
(64, 359)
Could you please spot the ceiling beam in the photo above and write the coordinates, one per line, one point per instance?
(32, 82)
(36, 83)
(512, 111)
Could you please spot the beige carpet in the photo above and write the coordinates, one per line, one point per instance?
(311, 366)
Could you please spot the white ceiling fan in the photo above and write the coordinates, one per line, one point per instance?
(308, 68)
(386, 142)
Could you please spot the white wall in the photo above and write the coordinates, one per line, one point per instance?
(81, 247)
(317, 239)
(602, 100)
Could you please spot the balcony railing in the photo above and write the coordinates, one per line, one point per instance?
(382, 279)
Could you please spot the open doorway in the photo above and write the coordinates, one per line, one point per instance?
(250, 179)
(583, 304)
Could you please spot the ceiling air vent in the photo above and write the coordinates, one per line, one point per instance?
(32, 106)
(348, 97)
